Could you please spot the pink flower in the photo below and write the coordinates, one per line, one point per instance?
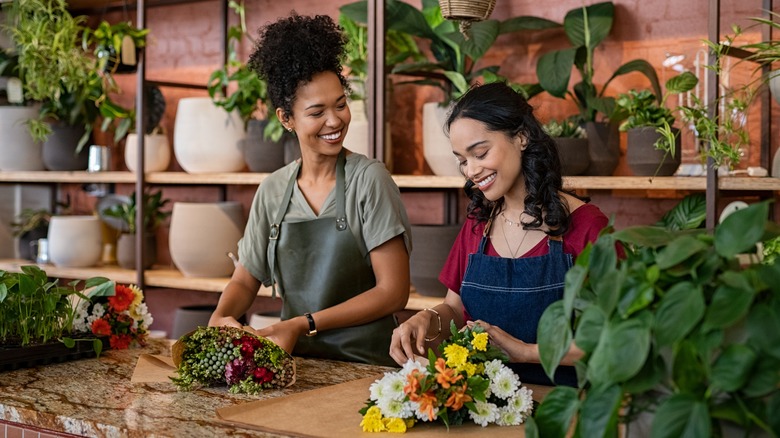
(263, 375)
(236, 371)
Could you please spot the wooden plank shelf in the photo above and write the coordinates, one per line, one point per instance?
(429, 182)
(169, 278)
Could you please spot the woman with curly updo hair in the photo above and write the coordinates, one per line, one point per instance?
(520, 237)
(327, 232)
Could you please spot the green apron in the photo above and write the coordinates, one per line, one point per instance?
(320, 265)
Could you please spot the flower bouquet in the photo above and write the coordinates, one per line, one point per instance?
(469, 382)
(246, 362)
(118, 313)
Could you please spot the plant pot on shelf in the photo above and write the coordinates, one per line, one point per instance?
(157, 152)
(261, 154)
(59, 150)
(603, 148)
(125, 250)
(774, 84)
(27, 250)
(436, 145)
(18, 150)
(573, 153)
(75, 241)
(644, 159)
(432, 244)
(202, 235)
(357, 135)
(206, 139)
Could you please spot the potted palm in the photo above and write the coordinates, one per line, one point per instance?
(572, 142)
(678, 327)
(586, 28)
(154, 216)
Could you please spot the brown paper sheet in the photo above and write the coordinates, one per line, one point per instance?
(153, 368)
(333, 412)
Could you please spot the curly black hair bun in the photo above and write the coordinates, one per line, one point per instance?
(290, 51)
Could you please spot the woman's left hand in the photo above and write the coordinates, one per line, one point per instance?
(285, 333)
(517, 350)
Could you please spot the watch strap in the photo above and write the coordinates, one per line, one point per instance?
(312, 326)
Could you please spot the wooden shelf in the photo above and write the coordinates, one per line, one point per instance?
(169, 278)
(429, 182)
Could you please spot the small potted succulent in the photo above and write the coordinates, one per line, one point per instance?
(154, 216)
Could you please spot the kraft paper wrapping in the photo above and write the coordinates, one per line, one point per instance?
(333, 412)
(153, 368)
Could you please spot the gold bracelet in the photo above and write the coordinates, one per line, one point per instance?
(438, 319)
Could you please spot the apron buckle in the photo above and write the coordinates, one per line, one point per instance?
(274, 232)
(341, 223)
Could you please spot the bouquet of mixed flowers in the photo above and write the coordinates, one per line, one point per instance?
(469, 381)
(246, 362)
(118, 313)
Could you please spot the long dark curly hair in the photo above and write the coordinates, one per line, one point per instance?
(501, 109)
(291, 50)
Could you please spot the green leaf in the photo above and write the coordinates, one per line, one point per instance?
(531, 429)
(731, 369)
(772, 408)
(554, 71)
(763, 378)
(638, 66)
(589, 328)
(3, 291)
(554, 337)
(69, 342)
(636, 298)
(728, 306)
(603, 258)
(621, 352)
(680, 310)
(679, 250)
(681, 416)
(527, 22)
(688, 214)
(688, 371)
(740, 231)
(608, 289)
(97, 345)
(649, 377)
(406, 18)
(651, 237)
(554, 415)
(482, 35)
(599, 412)
(763, 325)
(573, 281)
(599, 24)
(681, 83)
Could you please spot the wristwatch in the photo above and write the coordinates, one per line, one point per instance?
(312, 327)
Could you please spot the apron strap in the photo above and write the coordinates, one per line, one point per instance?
(341, 217)
(486, 231)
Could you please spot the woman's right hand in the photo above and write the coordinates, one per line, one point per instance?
(409, 338)
(221, 321)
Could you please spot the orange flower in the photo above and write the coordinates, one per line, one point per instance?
(413, 386)
(101, 327)
(122, 298)
(446, 376)
(458, 397)
(427, 403)
(120, 342)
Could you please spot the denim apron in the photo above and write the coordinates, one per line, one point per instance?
(317, 264)
(513, 293)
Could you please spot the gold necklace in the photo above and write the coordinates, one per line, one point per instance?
(511, 222)
(503, 231)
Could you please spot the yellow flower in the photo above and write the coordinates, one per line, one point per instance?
(480, 341)
(469, 368)
(395, 424)
(138, 297)
(374, 412)
(372, 421)
(410, 422)
(456, 355)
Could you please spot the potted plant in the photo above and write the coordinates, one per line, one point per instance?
(37, 315)
(116, 46)
(29, 226)
(677, 327)
(647, 120)
(234, 87)
(586, 28)
(153, 218)
(157, 151)
(572, 142)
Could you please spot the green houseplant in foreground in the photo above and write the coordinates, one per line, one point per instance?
(677, 327)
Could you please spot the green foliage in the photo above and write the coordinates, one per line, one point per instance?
(30, 219)
(34, 309)
(567, 128)
(107, 40)
(455, 54)
(586, 28)
(688, 214)
(153, 213)
(677, 313)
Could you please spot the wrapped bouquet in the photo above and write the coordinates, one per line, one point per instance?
(247, 363)
(468, 382)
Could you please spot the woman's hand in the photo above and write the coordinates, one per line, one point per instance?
(409, 337)
(517, 350)
(221, 321)
(285, 333)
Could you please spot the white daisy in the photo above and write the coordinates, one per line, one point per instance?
(395, 408)
(492, 367)
(504, 383)
(486, 413)
(522, 402)
(394, 385)
(508, 417)
(411, 365)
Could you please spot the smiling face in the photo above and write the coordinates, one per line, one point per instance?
(320, 115)
(491, 159)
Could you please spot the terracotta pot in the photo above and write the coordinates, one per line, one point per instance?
(75, 241)
(573, 153)
(201, 236)
(157, 152)
(432, 244)
(644, 159)
(206, 139)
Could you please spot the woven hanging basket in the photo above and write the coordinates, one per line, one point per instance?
(467, 10)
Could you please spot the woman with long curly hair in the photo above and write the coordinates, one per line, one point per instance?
(521, 235)
(328, 231)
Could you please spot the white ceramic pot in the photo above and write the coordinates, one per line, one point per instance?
(357, 134)
(201, 236)
(18, 150)
(774, 84)
(436, 146)
(206, 139)
(75, 241)
(157, 152)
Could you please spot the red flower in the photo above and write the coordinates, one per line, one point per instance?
(120, 342)
(101, 327)
(263, 375)
(122, 298)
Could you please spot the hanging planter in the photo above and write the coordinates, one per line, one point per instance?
(466, 11)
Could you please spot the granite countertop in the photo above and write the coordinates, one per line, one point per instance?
(94, 397)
